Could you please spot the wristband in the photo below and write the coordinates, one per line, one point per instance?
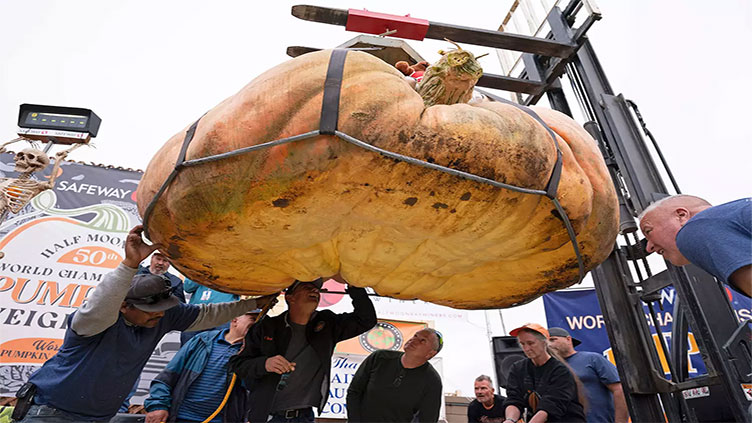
(510, 420)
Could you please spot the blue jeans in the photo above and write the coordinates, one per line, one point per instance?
(305, 416)
(47, 414)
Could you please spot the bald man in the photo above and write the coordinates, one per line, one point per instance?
(687, 229)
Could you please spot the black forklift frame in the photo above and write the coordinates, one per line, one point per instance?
(703, 305)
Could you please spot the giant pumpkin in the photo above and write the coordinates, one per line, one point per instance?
(253, 223)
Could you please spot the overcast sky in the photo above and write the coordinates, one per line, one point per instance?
(148, 68)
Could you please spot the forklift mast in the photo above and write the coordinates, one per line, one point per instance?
(534, 66)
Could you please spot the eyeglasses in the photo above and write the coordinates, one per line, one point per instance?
(398, 380)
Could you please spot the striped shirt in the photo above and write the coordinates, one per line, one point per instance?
(207, 391)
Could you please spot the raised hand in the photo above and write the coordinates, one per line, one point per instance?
(136, 250)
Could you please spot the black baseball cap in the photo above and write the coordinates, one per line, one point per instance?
(563, 333)
(150, 292)
(318, 283)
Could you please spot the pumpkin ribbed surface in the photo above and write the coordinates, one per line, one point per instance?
(253, 223)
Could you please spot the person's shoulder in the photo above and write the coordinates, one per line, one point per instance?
(519, 364)
(722, 211)
(587, 354)
(208, 335)
(272, 321)
(587, 357)
(433, 372)
(173, 278)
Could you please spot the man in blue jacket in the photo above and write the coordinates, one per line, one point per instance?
(195, 381)
(286, 362)
(111, 337)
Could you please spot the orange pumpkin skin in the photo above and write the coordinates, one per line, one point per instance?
(253, 223)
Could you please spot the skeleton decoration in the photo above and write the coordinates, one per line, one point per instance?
(15, 193)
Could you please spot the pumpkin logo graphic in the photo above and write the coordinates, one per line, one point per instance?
(384, 336)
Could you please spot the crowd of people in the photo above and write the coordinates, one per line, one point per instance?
(233, 366)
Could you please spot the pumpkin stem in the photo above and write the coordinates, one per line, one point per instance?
(451, 79)
(455, 44)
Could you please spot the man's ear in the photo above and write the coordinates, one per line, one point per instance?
(682, 214)
(123, 306)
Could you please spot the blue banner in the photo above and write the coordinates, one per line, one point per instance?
(579, 313)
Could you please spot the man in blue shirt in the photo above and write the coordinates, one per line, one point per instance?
(195, 381)
(606, 402)
(111, 337)
(687, 229)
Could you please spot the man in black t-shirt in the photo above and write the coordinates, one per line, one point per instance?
(487, 407)
(392, 386)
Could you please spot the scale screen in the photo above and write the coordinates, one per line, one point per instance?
(58, 121)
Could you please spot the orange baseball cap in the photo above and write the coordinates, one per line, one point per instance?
(530, 326)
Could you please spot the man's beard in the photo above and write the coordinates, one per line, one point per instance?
(158, 271)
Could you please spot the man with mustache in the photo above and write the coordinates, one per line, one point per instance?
(159, 264)
(286, 361)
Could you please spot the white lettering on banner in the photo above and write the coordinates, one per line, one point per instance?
(667, 296)
(663, 319)
(743, 314)
(588, 322)
(91, 189)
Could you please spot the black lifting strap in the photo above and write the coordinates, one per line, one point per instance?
(553, 181)
(186, 142)
(178, 165)
(332, 87)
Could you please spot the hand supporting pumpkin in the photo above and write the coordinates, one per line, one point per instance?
(136, 250)
(338, 277)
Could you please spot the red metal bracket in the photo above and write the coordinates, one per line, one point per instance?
(382, 23)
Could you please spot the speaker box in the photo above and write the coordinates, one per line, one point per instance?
(506, 352)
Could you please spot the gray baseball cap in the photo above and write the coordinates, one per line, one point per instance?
(563, 333)
(151, 293)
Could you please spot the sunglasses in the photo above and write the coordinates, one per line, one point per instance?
(441, 339)
(155, 298)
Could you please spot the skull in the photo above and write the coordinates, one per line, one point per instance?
(30, 160)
